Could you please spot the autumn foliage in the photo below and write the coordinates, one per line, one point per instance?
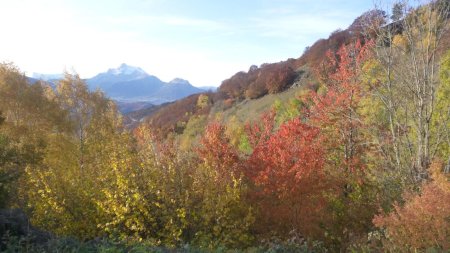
(336, 111)
(216, 151)
(299, 170)
(423, 221)
(286, 168)
(334, 166)
(257, 82)
(173, 117)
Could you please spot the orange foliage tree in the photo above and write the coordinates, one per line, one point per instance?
(424, 220)
(308, 174)
(217, 152)
(336, 112)
(286, 168)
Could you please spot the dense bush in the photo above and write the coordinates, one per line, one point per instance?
(422, 222)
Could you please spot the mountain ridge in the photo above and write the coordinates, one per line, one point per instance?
(132, 85)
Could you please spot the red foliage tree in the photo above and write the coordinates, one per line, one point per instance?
(216, 151)
(296, 170)
(424, 220)
(286, 169)
(336, 111)
(272, 78)
(257, 82)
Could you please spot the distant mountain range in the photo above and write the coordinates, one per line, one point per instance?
(132, 84)
(132, 87)
(46, 77)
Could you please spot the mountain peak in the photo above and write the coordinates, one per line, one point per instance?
(179, 81)
(125, 69)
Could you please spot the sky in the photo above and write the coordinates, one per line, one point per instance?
(203, 41)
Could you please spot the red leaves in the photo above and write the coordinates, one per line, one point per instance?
(257, 82)
(295, 168)
(284, 162)
(286, 169)
(217, 152)
(261, 132)
(281, 160)
(336, 112)
(423, 222)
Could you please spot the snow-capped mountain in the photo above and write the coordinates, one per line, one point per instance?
(129, 83)
(131, 86)
(179, 81)
(126, 70)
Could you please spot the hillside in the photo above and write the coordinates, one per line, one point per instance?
(263, 81)
(344, 149)
(135, 115)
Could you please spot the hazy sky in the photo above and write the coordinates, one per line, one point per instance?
(203, 41)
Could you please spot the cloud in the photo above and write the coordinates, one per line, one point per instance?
(298, 21)
(293, 26)
(182, 22)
